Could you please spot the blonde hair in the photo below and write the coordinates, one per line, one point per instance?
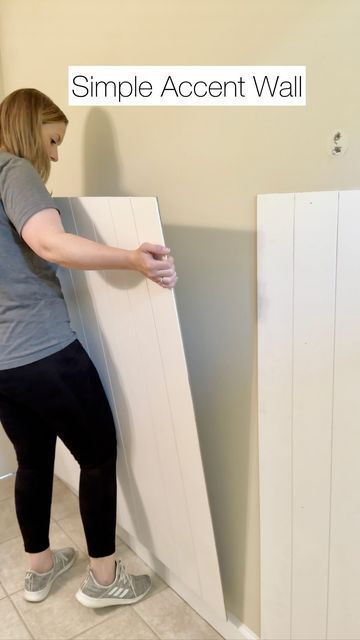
(22, 113)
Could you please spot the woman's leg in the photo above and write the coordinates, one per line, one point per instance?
(35, 450)
(103, 569)
(97, 498)
(65, 393)
(41, 562)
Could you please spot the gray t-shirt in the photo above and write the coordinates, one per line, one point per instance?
(34, 321)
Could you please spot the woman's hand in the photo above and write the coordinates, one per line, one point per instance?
(155, 262)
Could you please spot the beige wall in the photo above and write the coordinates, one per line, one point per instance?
(206, 166)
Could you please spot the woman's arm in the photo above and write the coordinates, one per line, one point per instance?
(45, 235)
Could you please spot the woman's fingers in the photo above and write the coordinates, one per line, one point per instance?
(163, 272)
(167, 282)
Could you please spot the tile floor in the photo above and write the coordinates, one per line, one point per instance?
(162, 614)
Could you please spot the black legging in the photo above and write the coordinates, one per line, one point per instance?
(61, 395)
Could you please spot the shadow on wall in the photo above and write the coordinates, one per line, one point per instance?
(216, 300)
(103, 168)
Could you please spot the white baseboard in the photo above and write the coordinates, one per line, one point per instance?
(8, 475)
(230, 629)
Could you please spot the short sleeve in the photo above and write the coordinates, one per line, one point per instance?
(22, 191)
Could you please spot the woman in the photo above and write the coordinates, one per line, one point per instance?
(49, 387)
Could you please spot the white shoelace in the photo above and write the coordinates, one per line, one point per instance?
(125, 576)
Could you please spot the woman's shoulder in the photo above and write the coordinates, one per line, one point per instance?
(15, 166)
(6, 158)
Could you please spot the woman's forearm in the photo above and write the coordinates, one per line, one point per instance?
(75, 252)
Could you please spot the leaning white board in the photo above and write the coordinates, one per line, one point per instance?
(309, 414)
(129, 326)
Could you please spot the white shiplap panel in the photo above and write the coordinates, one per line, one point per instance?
(120, 312)
(182, 417)
(344, 570)
(314, 313)
(275, 219)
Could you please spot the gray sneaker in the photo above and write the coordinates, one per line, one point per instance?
(38, 585)
(126, 589)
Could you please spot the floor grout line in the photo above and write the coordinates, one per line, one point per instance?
(7, 539)
(148, 624)
(22, 618)
(97, 624)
